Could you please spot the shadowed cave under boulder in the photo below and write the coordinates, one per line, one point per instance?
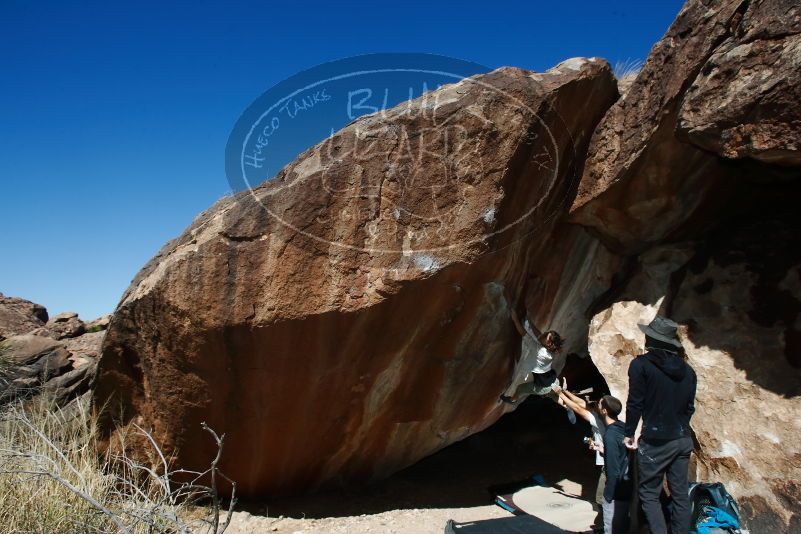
(535, 439)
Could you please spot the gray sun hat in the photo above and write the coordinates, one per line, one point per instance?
(663, 329)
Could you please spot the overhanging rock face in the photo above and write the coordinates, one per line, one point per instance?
(351, 316)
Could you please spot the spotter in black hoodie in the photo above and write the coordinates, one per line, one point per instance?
(662, 392)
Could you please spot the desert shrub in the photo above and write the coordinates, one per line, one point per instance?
(53, 480)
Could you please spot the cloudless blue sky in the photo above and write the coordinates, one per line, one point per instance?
(114, 120)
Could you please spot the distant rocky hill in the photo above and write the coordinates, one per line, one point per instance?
(351, 316)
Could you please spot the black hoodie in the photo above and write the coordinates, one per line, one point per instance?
(662, 392)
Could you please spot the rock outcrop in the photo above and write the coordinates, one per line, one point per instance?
(641, 184)
(351, 316)
(30, 361)
(20, 316)
(34, 364)
(41, 355)
(99, 324)
(65, 325)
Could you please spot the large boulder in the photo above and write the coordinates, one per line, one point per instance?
(641, 184)
(723, 81)
(351, 316)
(20, 316)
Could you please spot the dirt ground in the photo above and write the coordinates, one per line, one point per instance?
(452, 484)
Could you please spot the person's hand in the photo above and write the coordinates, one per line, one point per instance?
(630, 443)
(564, 383)
(556, 388)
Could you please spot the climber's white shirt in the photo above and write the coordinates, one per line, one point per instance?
(543, 361)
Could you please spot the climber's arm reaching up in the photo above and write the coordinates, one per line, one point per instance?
(518, 325)
(521, 330)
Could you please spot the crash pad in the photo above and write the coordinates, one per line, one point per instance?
(551, 505)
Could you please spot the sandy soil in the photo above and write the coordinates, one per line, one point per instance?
(455, 483)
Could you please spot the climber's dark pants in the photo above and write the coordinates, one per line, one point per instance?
(539, 385)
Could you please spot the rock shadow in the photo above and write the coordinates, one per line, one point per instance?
(741, 293)
(537, 438)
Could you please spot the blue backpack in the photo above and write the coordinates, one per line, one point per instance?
(714, 511)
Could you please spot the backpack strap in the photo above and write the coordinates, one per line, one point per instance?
(723, 500)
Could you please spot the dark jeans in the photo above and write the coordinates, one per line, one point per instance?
(657, 459)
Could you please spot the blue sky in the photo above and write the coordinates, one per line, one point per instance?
(114, 119)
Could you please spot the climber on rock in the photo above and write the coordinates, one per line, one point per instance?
(533, 374)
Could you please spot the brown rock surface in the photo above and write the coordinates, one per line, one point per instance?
(29, 362)
(640, 183)
(19, 316)
(86, 346)
(65, 325)
(745, 100)
(370, 328)
(738, 295)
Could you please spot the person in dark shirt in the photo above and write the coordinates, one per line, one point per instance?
(617, 488)
(662, 393)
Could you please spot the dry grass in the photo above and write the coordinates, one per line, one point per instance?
(5, 364)
(626, 72)
(53, 480)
